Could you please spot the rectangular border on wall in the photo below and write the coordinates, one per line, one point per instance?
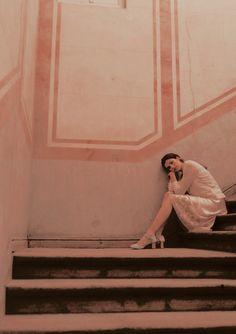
(54, 141)
(104, 3)
(24, 110)
(179, 119)
(8, 83)
(168, 133)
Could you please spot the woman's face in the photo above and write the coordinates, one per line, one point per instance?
(174, 165)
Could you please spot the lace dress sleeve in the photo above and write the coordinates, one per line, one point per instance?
(170, 187)
(181, 187)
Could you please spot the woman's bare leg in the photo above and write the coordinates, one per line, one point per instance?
(162, 215)
(158, 223)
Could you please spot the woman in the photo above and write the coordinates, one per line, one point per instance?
(196, 198)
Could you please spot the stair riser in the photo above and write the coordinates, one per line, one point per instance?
(33, 301)
(179, 273)
(231, 206)
(218, 245)
(225, 241)
(225, 223)
(225, 227)
(158, 268)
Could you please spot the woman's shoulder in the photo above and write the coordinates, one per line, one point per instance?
(193, 164)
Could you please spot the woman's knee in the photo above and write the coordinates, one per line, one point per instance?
(167, 198)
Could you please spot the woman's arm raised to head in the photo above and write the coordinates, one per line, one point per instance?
(180, 187)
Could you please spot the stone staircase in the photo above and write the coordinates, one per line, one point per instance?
(94, 291)
(223, 236)
(121, 290)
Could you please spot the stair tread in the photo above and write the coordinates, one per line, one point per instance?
(211, 234)
(121, 253)
(112, 321)
(231, 214)
(119, 283)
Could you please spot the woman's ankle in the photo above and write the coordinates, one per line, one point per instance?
(150, 232)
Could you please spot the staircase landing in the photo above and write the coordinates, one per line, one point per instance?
(145, 322)
(121, 253)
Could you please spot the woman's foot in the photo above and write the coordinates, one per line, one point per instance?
(149, 240)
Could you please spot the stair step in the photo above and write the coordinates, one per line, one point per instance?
(225, 222)
(212, 240)
(122, 263)
(117, 323)
(231, 206)
(119, 295)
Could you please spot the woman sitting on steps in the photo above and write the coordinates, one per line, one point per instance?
(196, 198)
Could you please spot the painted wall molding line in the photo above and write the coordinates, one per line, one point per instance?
(105, 3)
(55, 141)
(12, 78)
(179, 119)
(23, 105)
(27, 123)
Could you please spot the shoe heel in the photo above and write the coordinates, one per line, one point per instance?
(161, 240)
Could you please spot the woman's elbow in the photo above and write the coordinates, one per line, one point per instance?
(178, 192)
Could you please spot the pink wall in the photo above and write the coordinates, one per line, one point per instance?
(15, 126)
(110, 91)
(89, 199)
(123, 83)
(115, 89)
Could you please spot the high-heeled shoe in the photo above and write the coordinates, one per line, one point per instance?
(161, 240)
(149, 241)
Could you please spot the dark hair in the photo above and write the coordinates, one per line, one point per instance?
(167, 157)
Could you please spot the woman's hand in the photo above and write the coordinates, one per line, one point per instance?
(172, 177)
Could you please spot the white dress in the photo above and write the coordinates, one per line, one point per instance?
(204, 200)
